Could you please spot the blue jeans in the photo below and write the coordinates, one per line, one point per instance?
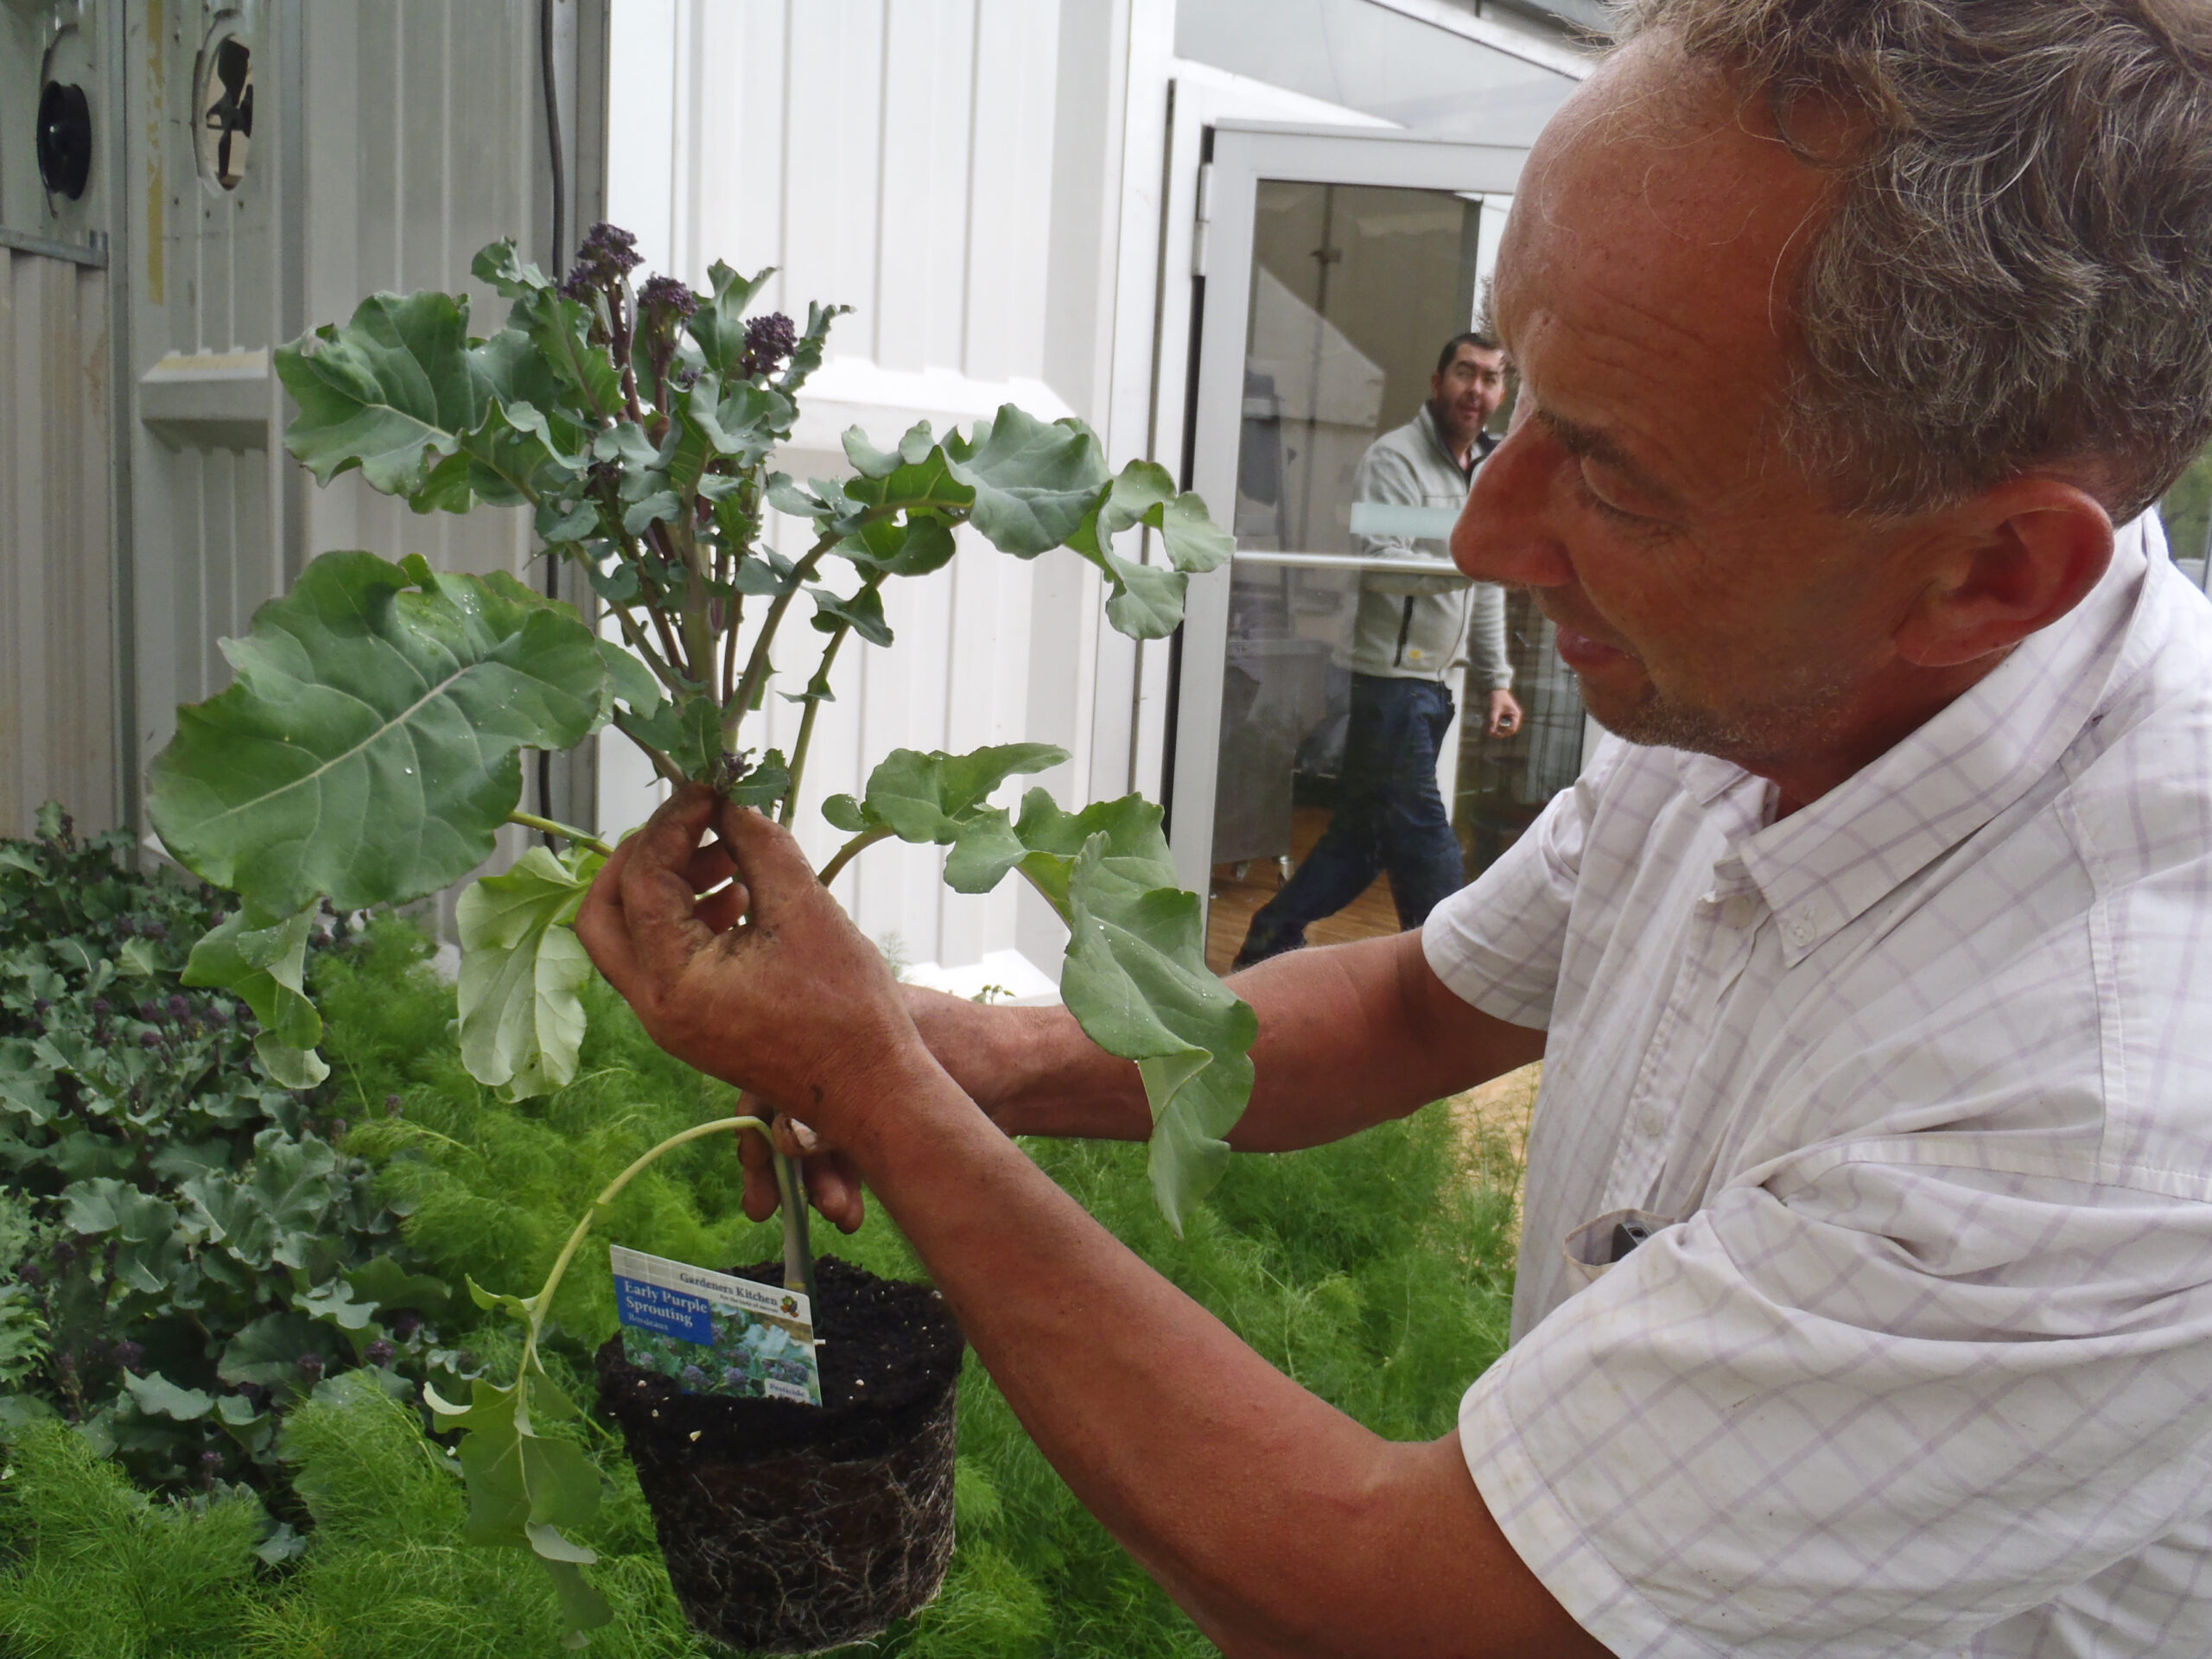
(1388, 816)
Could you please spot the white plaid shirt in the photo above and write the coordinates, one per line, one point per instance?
(1922, 1077)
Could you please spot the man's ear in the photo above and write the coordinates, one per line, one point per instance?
(2011, 561)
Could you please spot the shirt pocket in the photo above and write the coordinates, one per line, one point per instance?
(1595, 1247)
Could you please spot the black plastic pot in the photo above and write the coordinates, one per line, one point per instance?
(792, 1528)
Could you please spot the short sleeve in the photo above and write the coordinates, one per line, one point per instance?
(1880, 1408)
(1497, 944)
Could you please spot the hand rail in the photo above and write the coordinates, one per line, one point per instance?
(1262, 558)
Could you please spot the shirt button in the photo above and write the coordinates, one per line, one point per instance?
(1653, 1122)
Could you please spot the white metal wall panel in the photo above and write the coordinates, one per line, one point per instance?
(57, 617)
(432, 153)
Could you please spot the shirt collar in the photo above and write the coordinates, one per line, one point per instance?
(1822, 868)
(1427, 421)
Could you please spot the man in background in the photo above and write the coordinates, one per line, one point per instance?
(1409, 632)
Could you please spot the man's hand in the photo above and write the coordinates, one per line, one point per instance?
(739, 962)
(1504, 715)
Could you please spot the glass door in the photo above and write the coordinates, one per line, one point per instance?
(1316, 673)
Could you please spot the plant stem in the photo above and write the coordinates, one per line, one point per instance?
(798, 1249)
(851, 850)
(756, 667)
(551, 827)
(541, 1303)
(635, 638)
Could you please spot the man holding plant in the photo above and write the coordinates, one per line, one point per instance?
(1866, 1298)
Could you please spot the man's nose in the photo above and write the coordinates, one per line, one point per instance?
(1504, 533)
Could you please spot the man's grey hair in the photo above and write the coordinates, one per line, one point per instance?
(2019, 270)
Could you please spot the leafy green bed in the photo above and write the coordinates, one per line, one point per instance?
(1372, 1272)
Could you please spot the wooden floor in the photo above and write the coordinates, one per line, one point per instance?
(1370, 915)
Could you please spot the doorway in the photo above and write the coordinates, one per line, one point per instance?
(1339, 266)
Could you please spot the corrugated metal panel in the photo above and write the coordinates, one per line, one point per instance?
(57, 618)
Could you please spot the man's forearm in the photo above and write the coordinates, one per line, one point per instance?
(1349, 1036)
(1282, 1526)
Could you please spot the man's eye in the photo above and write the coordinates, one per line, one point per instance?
(1605, 509)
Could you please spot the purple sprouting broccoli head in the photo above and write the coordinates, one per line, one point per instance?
(693, 1378)
(310, 1368)
(768, 341)
(732, 1377)
(130, 1355)
(405, 1324)
(379, 1352)
(665, 298)
(217, 1016)
(150, 1040)
(178, 1006)
(608, 254)
(149, 1012)
(100, 1009)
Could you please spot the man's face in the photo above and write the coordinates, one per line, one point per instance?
(1467, 392)
(1705, 592)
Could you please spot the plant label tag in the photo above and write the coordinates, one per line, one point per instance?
(711, 1333)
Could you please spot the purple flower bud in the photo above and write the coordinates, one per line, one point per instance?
(217, 1016)
(149, 1012)
(379, 1352)
(405, 1324)
(768, 341)
(100, 1009)
(32, 1274)
(130, 1355)
(179, 1008)
(310, 1367)
(150, 1040)
(667, 296)
(211, 1460)
(608, 254)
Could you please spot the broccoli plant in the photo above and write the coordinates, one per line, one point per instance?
(369, 748)
(186, 1247)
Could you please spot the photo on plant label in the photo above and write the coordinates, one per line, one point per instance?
(753, 1356)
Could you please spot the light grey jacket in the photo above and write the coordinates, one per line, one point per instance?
(1416, 628)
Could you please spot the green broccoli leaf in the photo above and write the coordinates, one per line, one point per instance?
(367, 749)
(263, 963)
(718, 326)
(523, 1488)
(1035, 484)
(1136, 977)
(522, 971)
(929, 799)
(391, 393)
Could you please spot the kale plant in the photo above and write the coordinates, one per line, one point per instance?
(369, 749)
(184, 1249)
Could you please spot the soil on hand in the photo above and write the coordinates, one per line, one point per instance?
(792, 1528)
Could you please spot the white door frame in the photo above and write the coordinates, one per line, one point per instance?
(1242, 154)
